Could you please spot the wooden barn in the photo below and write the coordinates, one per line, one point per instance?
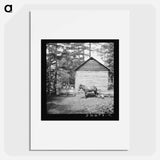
(92, 73)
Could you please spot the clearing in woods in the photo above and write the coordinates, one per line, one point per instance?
(80, 105)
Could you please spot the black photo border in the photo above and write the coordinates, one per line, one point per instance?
(70, 117)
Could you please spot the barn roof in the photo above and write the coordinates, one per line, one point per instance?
(92, 67)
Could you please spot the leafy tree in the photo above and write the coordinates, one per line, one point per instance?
(62, 59)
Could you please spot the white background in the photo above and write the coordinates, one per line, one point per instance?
(79, 24)
(144, 98)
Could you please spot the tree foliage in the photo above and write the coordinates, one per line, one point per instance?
(62, 59)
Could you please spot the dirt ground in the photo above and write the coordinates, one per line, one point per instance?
(80, 105)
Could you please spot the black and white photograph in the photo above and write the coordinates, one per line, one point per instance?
(79, 79)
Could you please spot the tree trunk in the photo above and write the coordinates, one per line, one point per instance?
(49, 85)
(89, 50)
(55, 82)
(56, 70)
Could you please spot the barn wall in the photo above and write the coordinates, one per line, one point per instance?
(92, 78)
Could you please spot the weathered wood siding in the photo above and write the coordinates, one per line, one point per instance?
(92, 78)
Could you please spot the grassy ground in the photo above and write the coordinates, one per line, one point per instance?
(80, 105)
